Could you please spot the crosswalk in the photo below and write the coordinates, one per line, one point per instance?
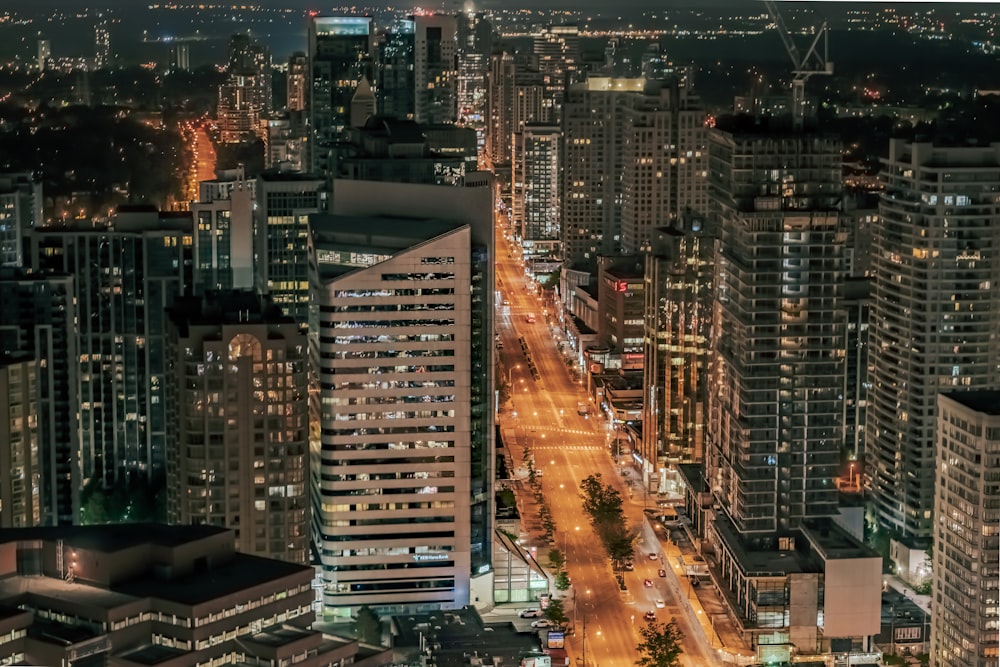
(568, 448)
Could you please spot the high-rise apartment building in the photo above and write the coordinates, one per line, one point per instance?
(401, 336)
(394, 71)
(795, 582)
(559, 59)
(245, 96)
(680, 280)
(500, 105)
(435, 68)
(281, 237)
(634, 159)
(475, 42)
(966, 567)
(239, 427)
(935, 314)
(20, 483)
(38, 319)
(44, 54)
(296, 82)
(535, 189)
(124, 278)
(179, 57)
(775, 424)
(223, 233)
(340, 50)
(20, 212)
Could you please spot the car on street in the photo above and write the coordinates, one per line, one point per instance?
(648, 583)
(694, 581)
(530, 613)
(650, 615)
(660, 604)
(661, 572)
(541, 623)
(653, 556)
(629, 566)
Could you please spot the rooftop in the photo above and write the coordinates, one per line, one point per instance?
(242, 572)
(985, 401)
(152, 654)
(113, 537)
(457, 636)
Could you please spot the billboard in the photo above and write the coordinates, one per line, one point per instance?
(556, 639)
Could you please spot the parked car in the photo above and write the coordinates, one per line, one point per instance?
(694, 581)
(648, 583)
(661, 572)
(541, 623)
(653, 556)
(650, 615)
(530, 613)
(629, 566)
(660, 604)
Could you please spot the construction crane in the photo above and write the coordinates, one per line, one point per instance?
(803, 67)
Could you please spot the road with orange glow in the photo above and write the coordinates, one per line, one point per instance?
(566, 448)
(203, 159)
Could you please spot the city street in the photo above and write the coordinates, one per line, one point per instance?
(566, 447)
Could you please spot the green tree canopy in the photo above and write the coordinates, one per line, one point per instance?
(660, 645)
(368, 626)
(556, 613)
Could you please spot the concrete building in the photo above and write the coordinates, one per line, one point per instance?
(935, 314)
(775, 425)
(966, 568)
(619, 126)
(174, 596)
(238, 394)
(124, 278)
(223, 233)
(475, 42)
(857, 308)
(403, 274)
(297, 82)
(402, 151)
(537, 180)
(38, 319)
(435, 68)
(20, 483)
(340, 55)
(559, 59)
(20, 212)
(394, 71)
(679, 280)
(621, 302)
(285, 200)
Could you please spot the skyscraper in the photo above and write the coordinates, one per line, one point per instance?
(238, 395)
(775, 423)
(634, 159)
(966, 568)
(245, 96)
(339, 57)
(935, 315)
(680, 278)
(435, 68)
(223, 233)
(20, 497)
(395, 71)
(401, 334)
(281, 237)
(38, 319)
(475, 42)
(794, 581)
(536, 185)
(295, 84)
(124, 278)
(20, 212)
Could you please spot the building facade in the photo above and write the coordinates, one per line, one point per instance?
(403, 463)
(435, 68)
(20, 484)
(281, 237)
(238, 393)
(38, 319)
(340, 50)
(935, 314)
(124, 279)
(966, 567)
(20, 212)
(537, 179)
(223, 233)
